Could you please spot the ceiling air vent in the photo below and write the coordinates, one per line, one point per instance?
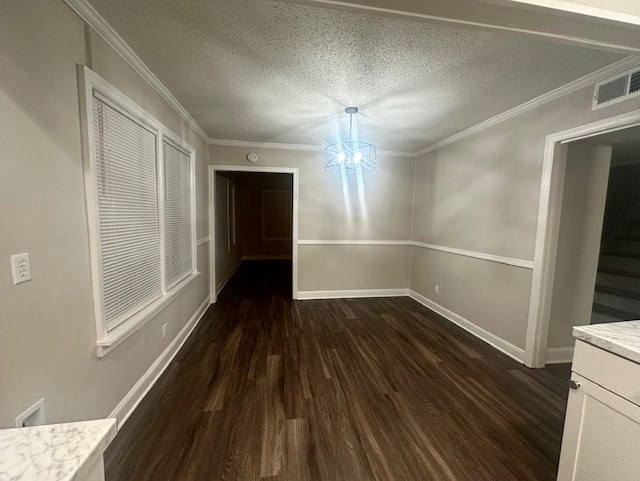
(617, 89)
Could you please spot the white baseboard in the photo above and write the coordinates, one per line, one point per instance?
(559, 355)
(227, 277)
(491, 339)
(126, 407)
(267, 257)
(305, 295)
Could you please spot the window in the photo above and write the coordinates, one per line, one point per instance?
(140, 197)
(177, 214)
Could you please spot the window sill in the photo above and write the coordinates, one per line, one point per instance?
(123, 331)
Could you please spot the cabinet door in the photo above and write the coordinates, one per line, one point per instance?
(601, 440)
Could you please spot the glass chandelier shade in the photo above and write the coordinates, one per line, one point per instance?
(351, 156)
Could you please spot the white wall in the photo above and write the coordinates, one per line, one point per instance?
(47, 334)
(382, 213)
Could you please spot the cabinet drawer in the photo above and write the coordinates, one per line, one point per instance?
(610, 371)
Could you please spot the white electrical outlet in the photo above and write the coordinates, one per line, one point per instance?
(436, 289)
(20, 268)
(164, 331)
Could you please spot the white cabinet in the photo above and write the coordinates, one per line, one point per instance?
(601, 440)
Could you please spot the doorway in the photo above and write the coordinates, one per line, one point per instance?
(567, 249)
(617, 290)
(597, 273)
(253, 224)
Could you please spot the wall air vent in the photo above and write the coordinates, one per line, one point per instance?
(617, 89)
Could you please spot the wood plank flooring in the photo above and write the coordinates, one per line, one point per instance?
(364, 389)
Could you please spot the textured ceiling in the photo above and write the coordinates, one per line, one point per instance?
(264, 71)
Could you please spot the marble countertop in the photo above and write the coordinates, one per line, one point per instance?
(621, 338)
(55, 451)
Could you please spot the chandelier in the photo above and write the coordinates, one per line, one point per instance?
(352, 156)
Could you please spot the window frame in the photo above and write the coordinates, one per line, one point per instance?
(90, 82)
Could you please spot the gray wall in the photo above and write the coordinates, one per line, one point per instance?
(481, 194)
(47, 333)
(326, 213)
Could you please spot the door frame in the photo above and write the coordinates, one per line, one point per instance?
(548, 228)
(213, 169)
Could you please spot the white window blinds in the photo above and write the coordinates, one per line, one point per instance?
(128, 222)
(177, 214)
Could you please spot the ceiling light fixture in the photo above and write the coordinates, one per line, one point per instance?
(351, 156)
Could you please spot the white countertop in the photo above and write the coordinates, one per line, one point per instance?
(54, 452)
(621, 338)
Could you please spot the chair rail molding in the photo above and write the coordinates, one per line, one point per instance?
(510, 261)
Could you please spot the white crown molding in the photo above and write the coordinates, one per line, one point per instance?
(299, 147)
(381, 9)
(397, 153)
(88, 14)
(92, 18)
(265, 145)
(590, 79)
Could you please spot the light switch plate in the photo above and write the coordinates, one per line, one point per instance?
(20, 268)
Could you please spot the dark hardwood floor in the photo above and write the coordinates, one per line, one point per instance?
(362, 389)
